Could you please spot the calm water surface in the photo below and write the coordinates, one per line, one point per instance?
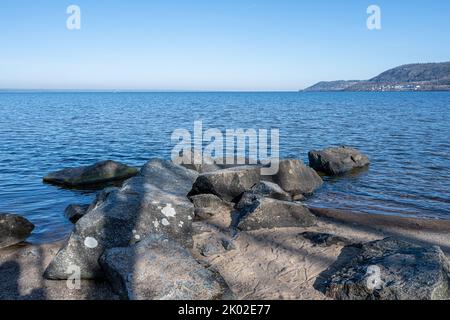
(406, 135)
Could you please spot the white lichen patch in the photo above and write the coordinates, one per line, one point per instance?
(169, 211)
(156, 223)
(90, 242)
(181, 224)
(165, 222)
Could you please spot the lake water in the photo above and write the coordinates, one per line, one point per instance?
(406, 136)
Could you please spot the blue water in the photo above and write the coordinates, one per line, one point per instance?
(406, 136)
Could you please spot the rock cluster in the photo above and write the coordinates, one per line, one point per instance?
(139, 237)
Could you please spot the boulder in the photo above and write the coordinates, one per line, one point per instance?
(209, 205)
(270, 190)
(227, 184)
(152, 202)
(197, 162)
(160, 269)
(93, 175)
(337, 161)
(13, 229)
(392, 269)
(261, 212)
(295, 178)
(75, 212)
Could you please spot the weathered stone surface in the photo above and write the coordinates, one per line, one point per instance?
(75, 212)
(209, 205)
(152, 202)
(324, 239)
(392, 269)
(295, 178)
(198, 162)
(98, 173)
(337, 161)
(270, 213)
(13, 229)
(270, 190)
(227, 183)
(160, 269)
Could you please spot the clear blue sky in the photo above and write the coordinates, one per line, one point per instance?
(213, 45)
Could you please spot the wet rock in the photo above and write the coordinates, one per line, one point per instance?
(160, 269)
(270, 213)
(392, 269)
(75, 212)
(152, 202)
(13, 229)
(227, 184)
(337, 161)
(96, 174)
(324, 239)
(270, 190)
(296, 178)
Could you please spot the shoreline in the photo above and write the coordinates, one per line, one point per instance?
(266, 264)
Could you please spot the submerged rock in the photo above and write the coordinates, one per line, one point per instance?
(296, 178)
(75, 212)
(227, 184)
(337, 161)
(260, 212)
(160, 269)
(392, 269)
(152, 202)
(13, 229)
(98, 173)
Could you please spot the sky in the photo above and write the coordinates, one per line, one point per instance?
(209, 45)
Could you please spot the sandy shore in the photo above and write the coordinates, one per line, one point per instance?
(264, 264)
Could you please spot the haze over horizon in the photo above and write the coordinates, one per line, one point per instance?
(204, 46)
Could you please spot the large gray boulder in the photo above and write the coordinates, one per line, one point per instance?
(227, 184)
(296, 178)
(337, 161)
(392, 269)
(266, 213)
(152, 202)
(13, 229)
(75, 212)
(160, 269)
(96, 174)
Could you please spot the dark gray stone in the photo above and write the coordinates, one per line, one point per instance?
(160, 269)
(337, 161)
(270, 190)
(96, 174)
(75, 212)
(271, 213)
(152, 202)
(296, 178)
(324, 239)
(392, 269)
(227, 184)
(13, 229)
